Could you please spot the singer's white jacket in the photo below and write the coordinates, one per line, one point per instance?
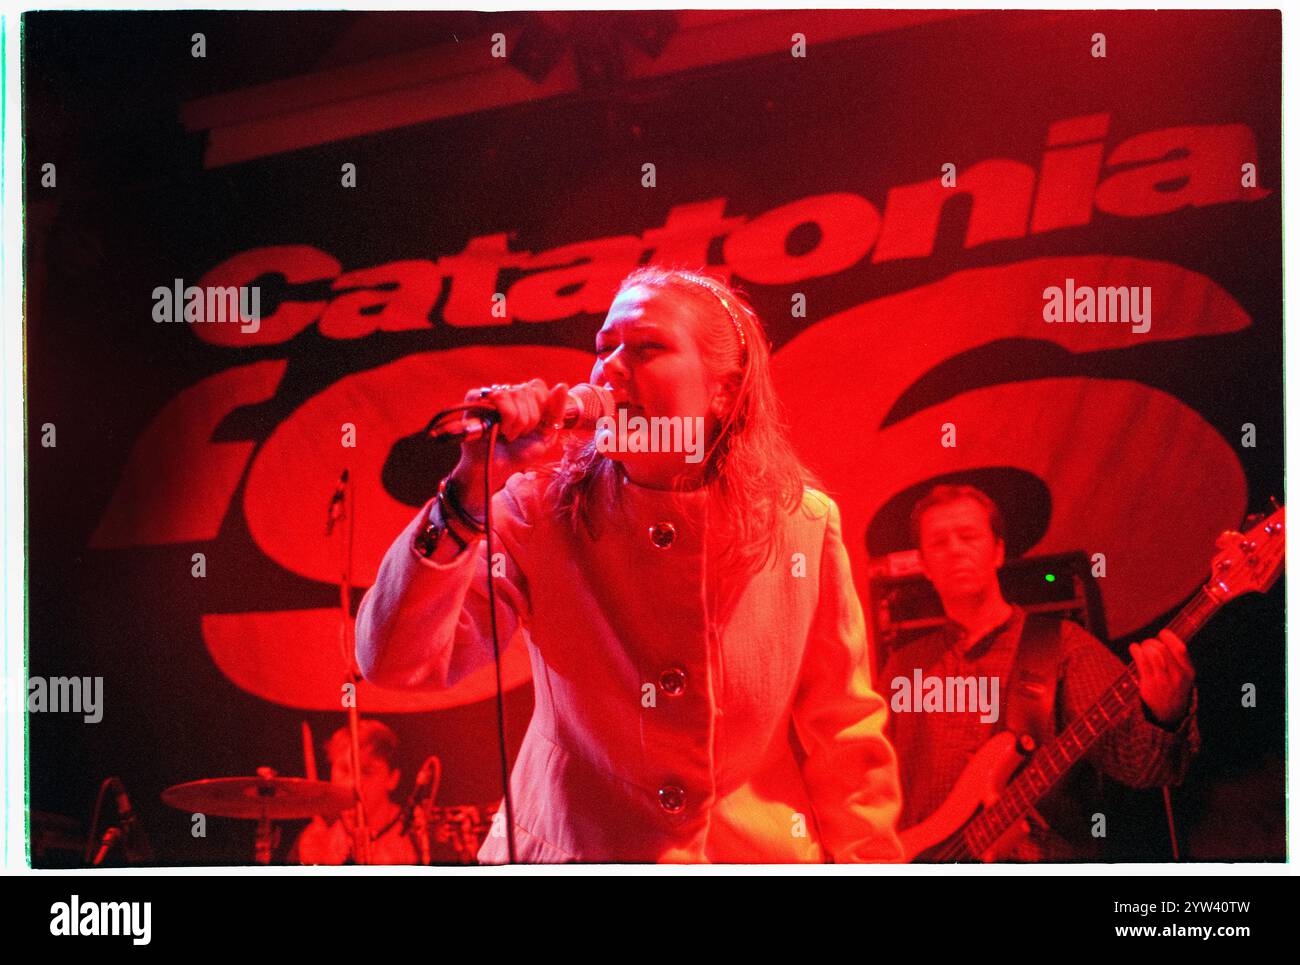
(669, 724)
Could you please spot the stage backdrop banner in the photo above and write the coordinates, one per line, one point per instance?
(980, 250)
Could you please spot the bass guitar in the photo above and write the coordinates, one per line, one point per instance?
(986, 810)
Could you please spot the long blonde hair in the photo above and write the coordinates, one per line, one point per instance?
(751, 471)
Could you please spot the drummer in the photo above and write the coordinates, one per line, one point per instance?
(324, 842)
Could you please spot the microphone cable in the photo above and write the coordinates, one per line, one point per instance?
(492, 417)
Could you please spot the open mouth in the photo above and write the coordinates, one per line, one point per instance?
(623, 403)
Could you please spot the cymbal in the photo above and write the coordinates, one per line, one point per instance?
(277, 798)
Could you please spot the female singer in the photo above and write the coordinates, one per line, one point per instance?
(700, 671)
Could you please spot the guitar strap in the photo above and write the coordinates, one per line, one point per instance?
(1031, 698)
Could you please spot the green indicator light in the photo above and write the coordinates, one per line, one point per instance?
(1050, 577)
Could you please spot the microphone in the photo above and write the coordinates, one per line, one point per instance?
(135, 842)
(106, 844)
(426, 786)
(584, 406)
(126, 831)
(335, 511)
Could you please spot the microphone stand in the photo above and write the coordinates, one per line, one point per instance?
(346, 508)
(417, 815)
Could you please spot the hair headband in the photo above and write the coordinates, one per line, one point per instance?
(726, 303)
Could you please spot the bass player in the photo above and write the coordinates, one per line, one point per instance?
(959, 533)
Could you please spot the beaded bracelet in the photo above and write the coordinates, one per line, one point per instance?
(448, 518)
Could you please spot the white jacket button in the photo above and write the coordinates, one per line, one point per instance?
(672, 798)
(663, 534)
(673, 681)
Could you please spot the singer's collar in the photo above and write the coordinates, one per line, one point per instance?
(699, 488)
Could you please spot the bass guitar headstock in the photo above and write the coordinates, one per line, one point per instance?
(1250, 561)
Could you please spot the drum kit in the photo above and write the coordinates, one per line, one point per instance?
(456, 830)
(441, 834)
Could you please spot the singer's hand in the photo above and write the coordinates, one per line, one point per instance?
(526, 408)
(527, 437)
